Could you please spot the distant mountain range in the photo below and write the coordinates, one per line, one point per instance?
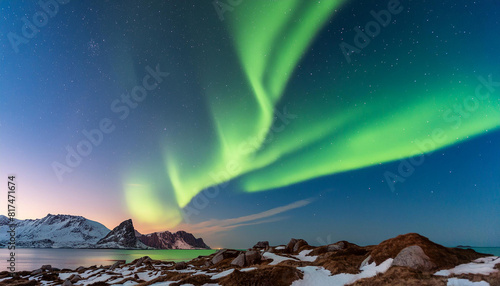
(67, 231)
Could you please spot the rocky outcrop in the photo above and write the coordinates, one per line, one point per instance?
(239, 260)
(224, 254)
(441, 256)
(336, 246)
(407, 263)
(180, 265)
(261, 245)
(294, 245)
(415, 258)
(252, 257)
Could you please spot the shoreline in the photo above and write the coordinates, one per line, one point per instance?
(410, 258)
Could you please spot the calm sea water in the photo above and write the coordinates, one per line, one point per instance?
(30, 259)
(489, 250)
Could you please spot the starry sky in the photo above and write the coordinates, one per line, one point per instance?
(244, 120)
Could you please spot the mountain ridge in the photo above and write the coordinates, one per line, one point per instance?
(70, 231)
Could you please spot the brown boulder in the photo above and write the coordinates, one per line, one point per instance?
(336, 246)
(299, 244)
(139, 262)
(261, 244)
(47, 267)
(180, 265)
(75, 278)
(223, 254)
(268, 276)
(290, 245)
(116, 264)
(239, 261)
(252, 257)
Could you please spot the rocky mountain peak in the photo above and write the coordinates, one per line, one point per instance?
(177, 240)
(122, 236)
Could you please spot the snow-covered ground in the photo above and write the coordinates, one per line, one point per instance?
(465, 282)
(275, 257)
(314, 275)
(302, 256)
(484, 265)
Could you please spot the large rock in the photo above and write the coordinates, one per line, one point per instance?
(336, 246)
(219, 256)
(180, 265)
(261, 244)
(252, 257)
(75, 278)
(415, 258)
(290, 245)
(443, 257)
(47, 267)
(67, 283)
(139, 262)
(239, 261)
(299, 244)
(116, 264)
(223, 254)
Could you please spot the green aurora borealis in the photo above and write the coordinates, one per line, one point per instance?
(371, 117)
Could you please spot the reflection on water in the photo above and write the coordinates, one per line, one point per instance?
(30, 259)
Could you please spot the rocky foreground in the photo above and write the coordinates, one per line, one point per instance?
(409, 259)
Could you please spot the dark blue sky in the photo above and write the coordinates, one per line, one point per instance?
(213, 86)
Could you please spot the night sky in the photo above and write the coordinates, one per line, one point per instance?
(247, 120)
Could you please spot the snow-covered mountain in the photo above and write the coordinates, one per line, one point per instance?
(68, 231)
(54, 231)
(122, 236)
(168, 240)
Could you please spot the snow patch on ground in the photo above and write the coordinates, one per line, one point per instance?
(276, 258)
(302, 256)
(465, 282)
(248, 269)
(64, 276)
(223, 274)
(281, 247)
(98, 278)
(148, 276)
(314, 275)
(167, 283)
(484, 265)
